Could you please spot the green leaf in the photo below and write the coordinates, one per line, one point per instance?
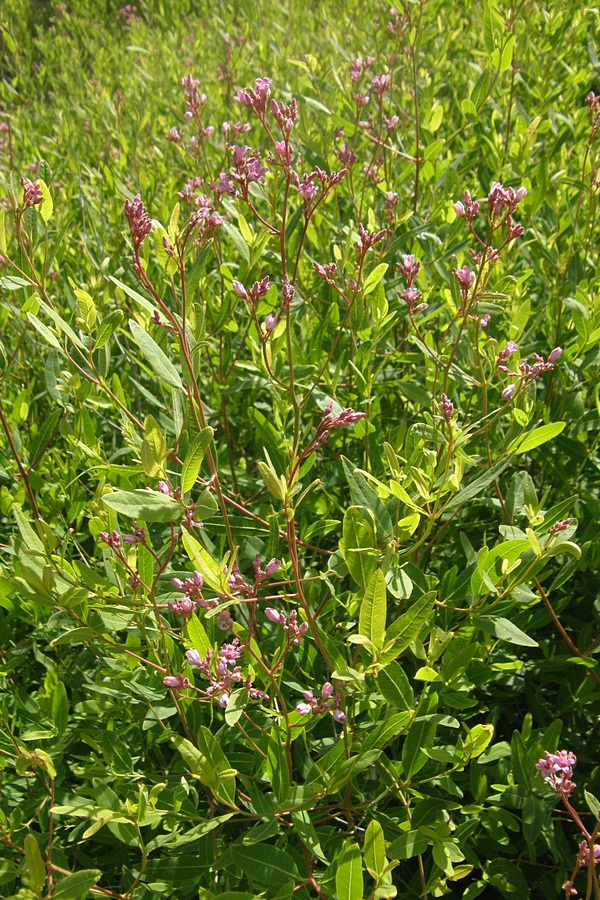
(157, 359)
(407, 626)
(477, 486)
(373, 610)
(536, 438)
(481, 89)
(349, 880)
(264, 863)
(165, 260)
(77, 885)
(374, 277)
(193, 459)
(87, 308)
(60, 707)
(203, 562)
(45, 332)
(107, 328)
(395, 686)
(420, 735)
(154, 449)
(413, 843)
(146, 304)
(3, 245)
(151, 506)
(478, 740)
(219, 776)
(46, 207)
(14, 283)
(36, 868)
(504, 630)
(62, 325)
(196, 634)
(374, 850)
(364, 495)
(277, 765)
(358, 546)
(507, 53)
(195, 761)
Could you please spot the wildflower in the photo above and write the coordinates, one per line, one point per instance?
(584, 857)
(329, 702)
(507, 352)
(465, 278)
(138, 537)
(359, 67)
(223, 673)
(175, 136)
(508, 392)
(256, 99)
(188, 520)
(569, 889)
(411, 296)
(447, 407)
(368, 239)
(467, 209)
(346, 155)
(381, 85)
(501, 198)
(271, 568)
(409, 267)
(255, 293)
(192, 588)
(560, 526)
(270, 322)
(140, 223)
(113, 540)
(32, 192)
(326, 272)
(177, 682)
(288, 291)
(288, 623)
(557, 769)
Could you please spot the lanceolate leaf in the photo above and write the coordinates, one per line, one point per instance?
(373, 610)
(407, 627)
(194, 457)
(151, 506)
(157, 358)
(265, 864)
(349, 876)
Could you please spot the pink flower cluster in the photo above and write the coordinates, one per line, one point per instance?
(32, 192)
(222, 671)
(410, 268)
(193, 597)
(368, 239)
(288, 623)
(329, 702)
(359, 67)
(140, 223)
(316, 182)
(557, 770)
(256, 98)
(527, 373)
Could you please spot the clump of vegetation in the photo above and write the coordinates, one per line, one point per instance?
(299, 458)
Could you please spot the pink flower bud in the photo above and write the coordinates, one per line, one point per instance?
(327, 690)
(303, 709)
(274, 616)
(556, 354)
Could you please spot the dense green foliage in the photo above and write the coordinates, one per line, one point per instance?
(340, 400)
